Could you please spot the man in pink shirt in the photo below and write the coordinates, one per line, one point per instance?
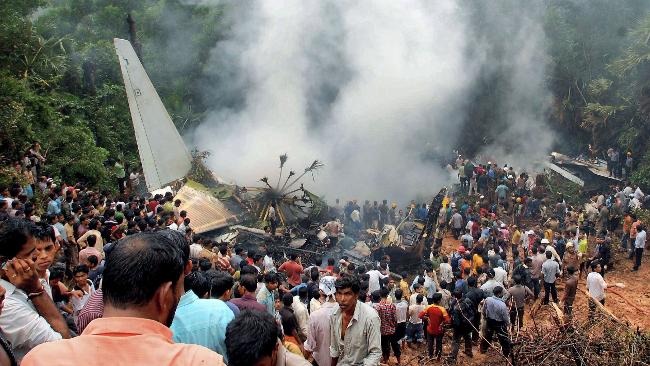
(89, 250)
(139, 306)
(293, 269)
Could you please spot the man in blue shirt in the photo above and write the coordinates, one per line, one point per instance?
(497, 316)
(266, 295)
(202, 322)
(221, 289)
(53, 207)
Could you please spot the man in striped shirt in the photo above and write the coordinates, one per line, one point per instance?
(388, 317)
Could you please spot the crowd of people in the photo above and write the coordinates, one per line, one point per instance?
(94, 278)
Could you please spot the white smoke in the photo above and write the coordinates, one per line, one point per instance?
(371, 88)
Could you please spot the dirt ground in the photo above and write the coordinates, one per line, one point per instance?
(628, 298)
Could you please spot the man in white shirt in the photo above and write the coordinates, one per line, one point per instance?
(596, 286)
(500, 275)
(373, 282)
(29, 316)
(318, 335)
(639, 245)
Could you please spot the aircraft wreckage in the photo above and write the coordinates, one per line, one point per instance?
(235, 214)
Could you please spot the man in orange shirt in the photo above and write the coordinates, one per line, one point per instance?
(627, 225)
(633, 232)
(437, 316)
(293, 269)
(142, 285)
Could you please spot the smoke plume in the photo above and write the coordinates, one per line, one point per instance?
(377, 90)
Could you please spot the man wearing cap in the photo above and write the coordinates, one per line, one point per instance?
(570, 258)
(456, 223)
(318, 336)
(548, 247)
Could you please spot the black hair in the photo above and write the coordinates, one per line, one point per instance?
(198, 283)
(398, 294)
(571, 270)
(238, 250)
(549, 255)
(247, 347)
(287, 299)
(205, 264)
(293, 256)
(92, 240)
(179, 241)
(271, 277)
(57, 273)
(517, 279)
(137, 266)
(419, 298)
(221, 283)
(437, 297)
(497, 291)
(93, 260)
(248, 270)
(249, 282)
(471, 282)
(376, 296)
(82, 268)
(350, 282)
(223, 249)
(384, 292)
(14, 234)
(330, 261)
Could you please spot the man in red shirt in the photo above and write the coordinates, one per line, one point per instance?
(437, 316)
(293, 269)
(388, 316)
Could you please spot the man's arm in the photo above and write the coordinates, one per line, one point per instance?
(334, 343)
(374, 342)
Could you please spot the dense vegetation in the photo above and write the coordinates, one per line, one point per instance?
(60, 82)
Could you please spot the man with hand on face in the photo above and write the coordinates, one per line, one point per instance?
(354, 327)
(29, 317)
(139, 306)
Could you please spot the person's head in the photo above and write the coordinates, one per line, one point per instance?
(571, 270)
(490, 273)
(287, 299)
(471, 282)
(384, 292)
(517, 279)
(497, 291)
(330, 261)
(398, 294)
(375, 296)
(347, 292)
(26, 240)
(549, 255)
(437, 297)
(271, 280)
(248, 282)
(57, 274)
(466, 272)
(221, 286)
(198, 283)
(528, 261)
(419, 298)
(80, 275)
(205, 264)
(143, 277)
(252, 339)
(93, 261)
(223, 249)
(595, 267)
